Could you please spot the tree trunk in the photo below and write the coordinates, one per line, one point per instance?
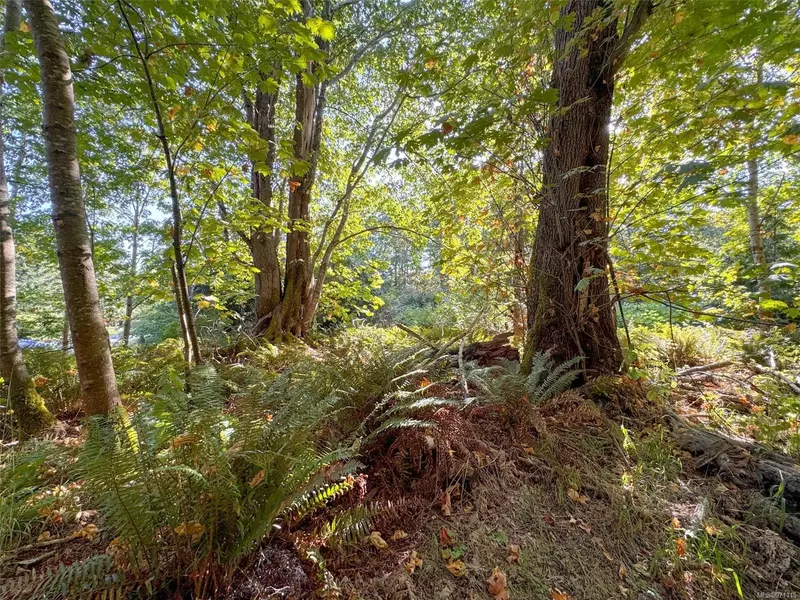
(288, 316)
(126, 326)
(29, 409)
(179, 279)
(570, 310)
(89, 335)
(264, 240)
(756, 242)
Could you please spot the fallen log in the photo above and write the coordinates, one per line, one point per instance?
(491, 352)
(777, 375)
(743, 463)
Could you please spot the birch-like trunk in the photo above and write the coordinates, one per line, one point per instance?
(29, 409)
(89, 335)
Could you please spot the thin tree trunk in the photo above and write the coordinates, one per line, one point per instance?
(126, 326)
(570, 310)
(29, 409)
(181, 288)
(89, 335)
(756, 241)
(181, 316)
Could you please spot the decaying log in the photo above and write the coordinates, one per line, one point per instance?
(777, 375)
(743, 463)
(492, 351)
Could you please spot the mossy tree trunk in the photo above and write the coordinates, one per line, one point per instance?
(29, 409)
(89, 335)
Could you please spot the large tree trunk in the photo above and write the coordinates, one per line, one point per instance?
(89, 335)
(264, 240)
(29, 409)
(288, 316)
(570, 310)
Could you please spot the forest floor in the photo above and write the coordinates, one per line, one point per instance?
(593, 494)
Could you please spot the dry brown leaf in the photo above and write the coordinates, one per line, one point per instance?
(447, 508)
(680, 547)
(398, 534)
(559, 595)
(623, 572)
(43, 537)
(258, 478)
(414, 561)
(608, 556)
(496, 584)
(457, 568)
(513, 553)
(576, 497)
(376, 540)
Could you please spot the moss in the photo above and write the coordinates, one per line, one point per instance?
(30, 412)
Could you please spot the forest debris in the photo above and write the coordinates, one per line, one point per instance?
(496, 585)
(414, 561)
(777, 375)
(398, 535)
(702, 368)
(513, 553)
(376, 540)
(456, 567)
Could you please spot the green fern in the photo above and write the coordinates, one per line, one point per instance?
(92, 578)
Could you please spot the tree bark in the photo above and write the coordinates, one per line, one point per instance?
(570, 311)
(29, 409)
(89, 335)
(126, 326)
(756, 240)
(288, 315)
(264, 240)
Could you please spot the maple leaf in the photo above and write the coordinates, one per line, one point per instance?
(414, 561)
(496, 584)
(457, 568)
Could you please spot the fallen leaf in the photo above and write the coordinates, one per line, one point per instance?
(528, 450)
(608, 556)
(398, 534)
(44, 536)
(447, 508)
(457, 568)
(623, 572)
(711, 529)
(376, 540)
(258, 478)
(559, 595)
(89, 532)
(680, 546)
(676, 524)
(444, 537)
(513, 553)
(192, 529)
(496, 584)
(576, 497)
(414, 561)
